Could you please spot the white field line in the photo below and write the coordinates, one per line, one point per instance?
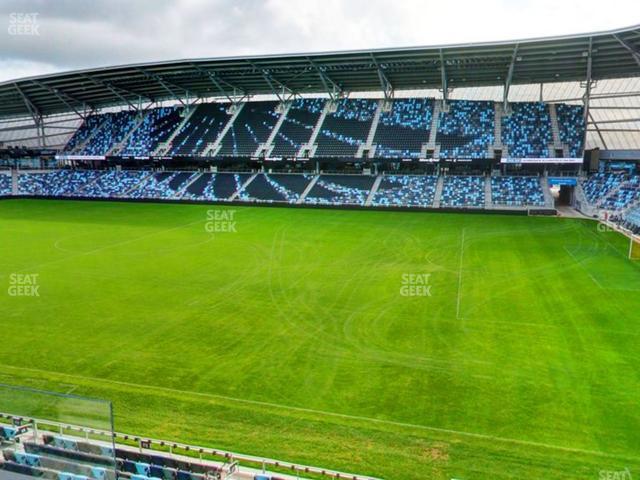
(460, 275)
(583, 267)
(328, 414)
(105, 247)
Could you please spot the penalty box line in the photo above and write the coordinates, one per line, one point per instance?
(394, 423)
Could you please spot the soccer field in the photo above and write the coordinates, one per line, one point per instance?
(402, 345)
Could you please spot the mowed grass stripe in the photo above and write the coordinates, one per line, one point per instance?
(302, 308)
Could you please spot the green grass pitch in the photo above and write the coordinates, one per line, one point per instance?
(291, 338)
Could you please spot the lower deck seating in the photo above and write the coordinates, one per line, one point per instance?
(517, 191)
(5, 184)
(627, 193)
(114, 183)
(599, 185)
(275, 188)
(459, 191)
(56, 183)
(214, 187)
(340, 190)
(163, 185)
(62, 458)
(405, 190)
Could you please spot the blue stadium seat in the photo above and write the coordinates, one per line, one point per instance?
(405, 190)
(403, 129)
(526, 131)
(517, 191)
(344, 130)
(297, 127)
(466, 130)
(572, 127)
(459, 191)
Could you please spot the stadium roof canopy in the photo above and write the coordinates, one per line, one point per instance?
(601, 55)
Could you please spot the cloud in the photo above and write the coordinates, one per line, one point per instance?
(79, 34)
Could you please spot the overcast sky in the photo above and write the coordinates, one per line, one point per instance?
(70, 34)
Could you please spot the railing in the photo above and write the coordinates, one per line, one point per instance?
(160, 447)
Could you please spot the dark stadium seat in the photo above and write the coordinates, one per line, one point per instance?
(298, 125)
(252, 126)
(526, 131)
(203, 127)
(275, 188)
(406, 190)
(572, 127)
(517, 191)
(157, 126)
(340, 190)
(466, 130)
(344, 130)
(403, 129)
(459, 191)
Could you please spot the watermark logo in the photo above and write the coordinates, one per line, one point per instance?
(221, 221)
(24, 285)
(615, 474)
(605, 228)
(24, 24)
(416, 285)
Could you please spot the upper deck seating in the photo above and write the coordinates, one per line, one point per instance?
(115, 127)
(344, 130)
(526, 131)
(297, 127)
(403, 129)
(202, 128)
(157, 126)
(252, 126)
(89, 126)
(459, 191)
(466, 130)
(572, 127)
(405, 190)
(340, 190)
(517, 191)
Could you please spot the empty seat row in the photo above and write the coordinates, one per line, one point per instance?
(405, 190)
(517, 191)
(463, 191)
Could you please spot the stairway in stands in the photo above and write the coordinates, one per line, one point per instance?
(373, 191)
(438, 194)
(488, 203)
(266, 147)
(166, 146)
(212, 148)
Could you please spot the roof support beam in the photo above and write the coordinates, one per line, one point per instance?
(168, 86)
(110, 87)
(595, 124)
(218, 82)
(587, 92)
(62, 96)
(36, 115)
(443, 81)
(633, 50)
(271, 80)
(509, 78)
(385, 84)
(332, 88)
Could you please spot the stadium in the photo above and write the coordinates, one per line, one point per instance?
(401, 263)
